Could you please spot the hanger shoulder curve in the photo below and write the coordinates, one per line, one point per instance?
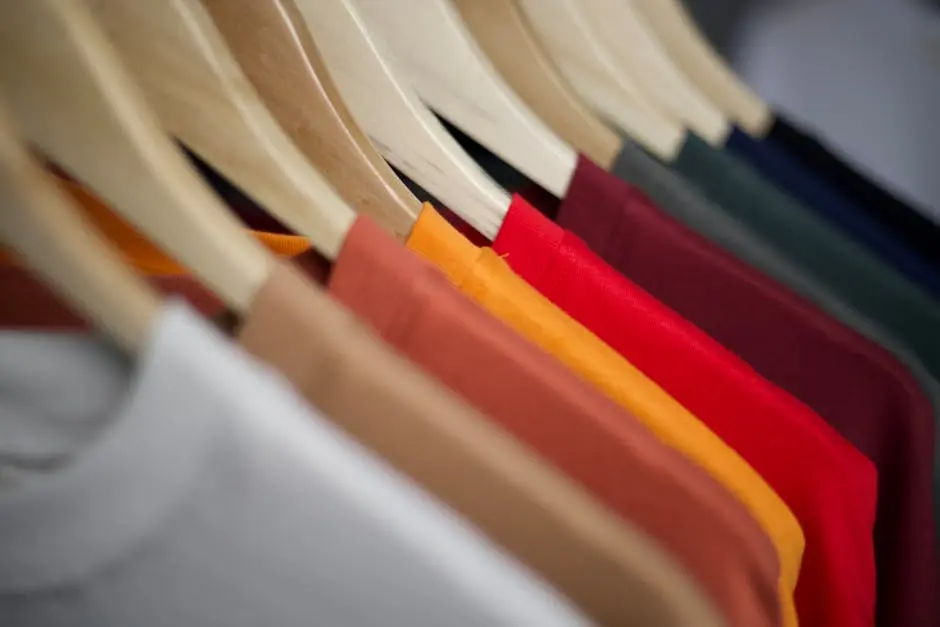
(398, 123)
(454, 77)
(500, 30)
(561, 29)
(693, 53)
(48, 233)
(53, 52)
(620, 29)
(276, 53)
(203, 98)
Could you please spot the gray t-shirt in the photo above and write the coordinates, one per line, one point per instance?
(196, 488)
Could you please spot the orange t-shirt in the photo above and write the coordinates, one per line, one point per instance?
(484, 276)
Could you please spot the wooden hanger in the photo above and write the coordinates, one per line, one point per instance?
(588, 68)
(501, 31)
(454, 77)
(633, 46)
(203, 98)
(50, 236)
(695, 56)
(69, 96)
(274, 49)
(398, 123)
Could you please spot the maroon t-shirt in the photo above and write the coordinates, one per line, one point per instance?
(854, 384)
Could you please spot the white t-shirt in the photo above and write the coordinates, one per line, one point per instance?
(198, 489)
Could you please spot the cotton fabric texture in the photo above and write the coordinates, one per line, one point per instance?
(832, 491)
(414, 308)
(481, 274)
(852, 383)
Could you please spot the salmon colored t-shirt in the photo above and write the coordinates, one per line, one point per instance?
(829, 485)
(483, 275)
(414, 308)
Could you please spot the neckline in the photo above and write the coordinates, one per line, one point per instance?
(62, 526)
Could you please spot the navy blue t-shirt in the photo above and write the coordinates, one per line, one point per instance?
(912, 223)
(800, 182)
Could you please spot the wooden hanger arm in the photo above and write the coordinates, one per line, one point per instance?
(203, 98)
(634, 47)
(70, 96)
(588, 68)
(274, 49)
(693, 53)
(456, 79)
(502, 33)
(39, 223)
(398, 123)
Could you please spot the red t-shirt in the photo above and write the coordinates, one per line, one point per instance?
(854, 384)
(828, 484)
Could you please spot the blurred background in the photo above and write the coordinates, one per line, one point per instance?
(811, 58)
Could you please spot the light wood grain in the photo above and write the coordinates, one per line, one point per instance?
(693, 53)
(636, 50)
(371, 82)
(500, 30)
(588, 68)
(273, 47)
(455, 78)
(70, 96)
(49, 235)
(203, 98)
